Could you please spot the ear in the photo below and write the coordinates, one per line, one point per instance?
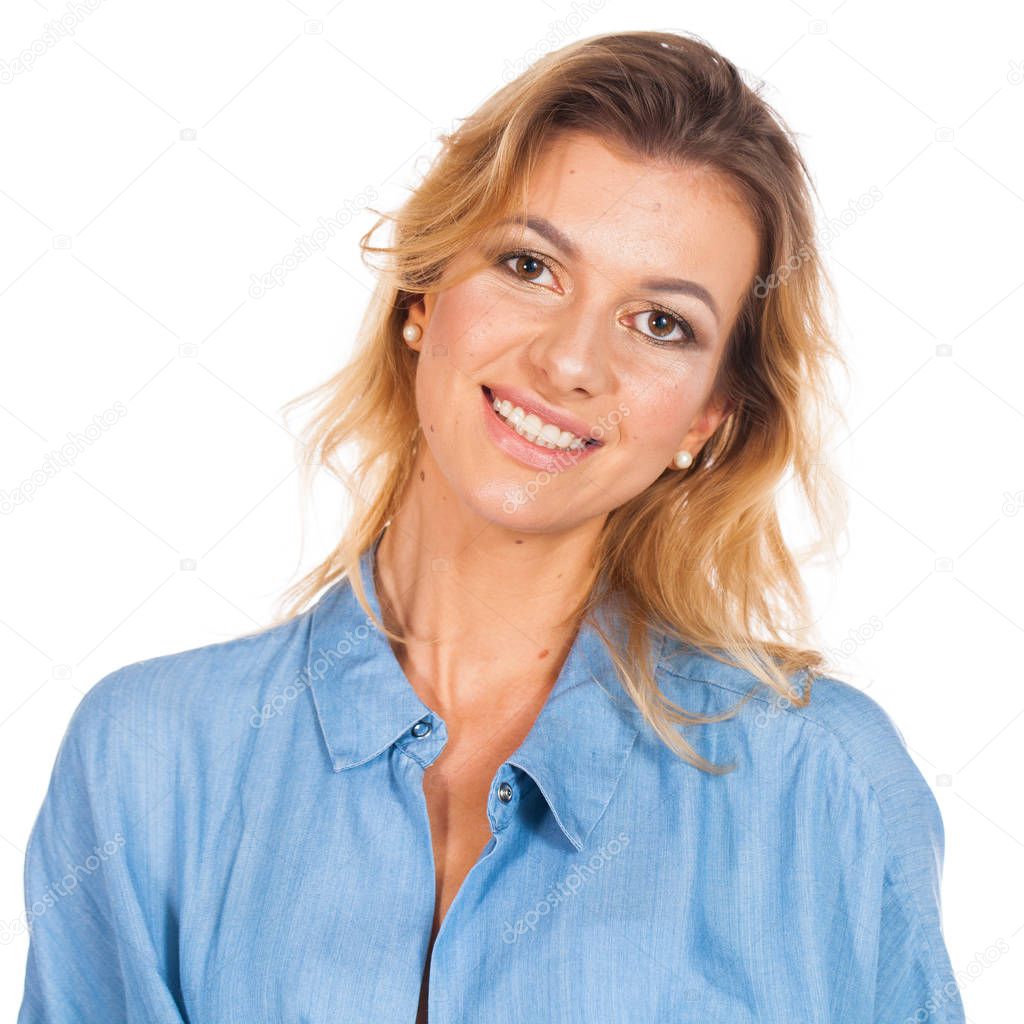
(418, 312)
(715, 410)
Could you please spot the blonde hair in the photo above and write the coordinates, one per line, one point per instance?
(698, 555)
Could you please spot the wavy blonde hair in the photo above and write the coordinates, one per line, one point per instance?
(699, 555)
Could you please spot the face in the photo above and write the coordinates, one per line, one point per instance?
(607, 316)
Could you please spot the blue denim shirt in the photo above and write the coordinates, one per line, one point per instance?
(238, 833)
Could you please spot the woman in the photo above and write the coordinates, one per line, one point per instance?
(458, 781)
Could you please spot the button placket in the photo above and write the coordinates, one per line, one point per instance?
(504, 798)
(424, 740)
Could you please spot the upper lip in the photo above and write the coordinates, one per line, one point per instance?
(529, 403)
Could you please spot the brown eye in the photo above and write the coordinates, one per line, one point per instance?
(530, 266)
(661, 324)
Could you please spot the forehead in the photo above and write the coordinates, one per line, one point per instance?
(645, 216)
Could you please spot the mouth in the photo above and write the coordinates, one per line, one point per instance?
(540, 453)
(587, 442)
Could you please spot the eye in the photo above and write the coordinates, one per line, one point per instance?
(661, 326)
(664, 327)
(527, 267)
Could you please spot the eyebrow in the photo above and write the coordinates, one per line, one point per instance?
(679, 285)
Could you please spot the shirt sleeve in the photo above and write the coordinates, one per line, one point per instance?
(88, 960)
(915, 980)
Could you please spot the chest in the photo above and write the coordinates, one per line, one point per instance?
(314, 903)
(456, 788)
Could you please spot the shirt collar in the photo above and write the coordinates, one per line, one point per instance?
(575, 752)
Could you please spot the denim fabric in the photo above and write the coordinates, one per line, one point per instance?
(238, 833)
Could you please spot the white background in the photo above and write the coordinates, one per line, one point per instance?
(125, 270)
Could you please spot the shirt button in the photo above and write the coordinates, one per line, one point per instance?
(504, 792)
(421, 728)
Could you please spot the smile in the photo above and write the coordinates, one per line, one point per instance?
(530, 440)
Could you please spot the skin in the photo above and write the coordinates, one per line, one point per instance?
(480, 590)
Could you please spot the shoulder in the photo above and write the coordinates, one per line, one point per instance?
(159, 706)
(841, 725)
(838, 769)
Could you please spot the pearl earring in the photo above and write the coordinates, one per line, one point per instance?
(412, 333)
(683, 459)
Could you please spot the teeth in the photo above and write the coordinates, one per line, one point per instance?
(534, 429)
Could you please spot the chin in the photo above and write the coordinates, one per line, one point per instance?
(524, 506)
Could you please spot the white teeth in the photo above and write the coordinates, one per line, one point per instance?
(534, 429)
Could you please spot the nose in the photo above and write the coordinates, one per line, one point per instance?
(572, 349)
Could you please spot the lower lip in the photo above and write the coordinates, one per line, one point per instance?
(529, 454)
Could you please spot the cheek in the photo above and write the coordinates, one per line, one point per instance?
(466, 331)
(659, 415)
(469, 323)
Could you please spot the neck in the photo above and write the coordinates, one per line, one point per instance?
(483, 607)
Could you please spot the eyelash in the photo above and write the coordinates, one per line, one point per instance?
(691, 335)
